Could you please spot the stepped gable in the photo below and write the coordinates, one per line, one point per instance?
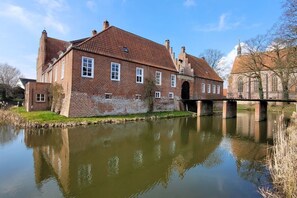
(117, 43)
(202, 69)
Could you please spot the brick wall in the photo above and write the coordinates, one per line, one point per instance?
(87, 97)
(32, 89)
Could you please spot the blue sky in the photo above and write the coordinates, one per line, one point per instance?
(196, 24)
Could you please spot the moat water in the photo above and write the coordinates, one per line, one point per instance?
(181, 157)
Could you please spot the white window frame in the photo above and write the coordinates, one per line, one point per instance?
(157, 94)
(40, 97)
(86, 66)
(56, 73)
(218, 89)
(139, 75)
(203, 87)
(214, 88)
(137, 97)
(117, 76)
(208, 88)
(171, 95)
(158, 78)
(173, 80)
(50, 74)
(62, 69)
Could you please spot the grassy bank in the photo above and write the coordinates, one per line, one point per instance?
(282, 162)
(50, 119)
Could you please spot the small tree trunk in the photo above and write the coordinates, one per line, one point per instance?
(261, 93)
(285, 92)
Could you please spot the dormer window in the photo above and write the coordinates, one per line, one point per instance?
(125, 49)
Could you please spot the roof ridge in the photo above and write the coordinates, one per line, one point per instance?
(90, 38)
(58, 39)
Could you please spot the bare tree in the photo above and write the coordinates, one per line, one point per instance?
(283, 61)
(9, 77)
(212, 57)
(253, 63)
(287, 30)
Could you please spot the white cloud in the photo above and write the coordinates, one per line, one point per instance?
(18, 14)
(35, 21)
(53, 4)
(226, 63)
(91, 5)
(223, 24)
(189, 3)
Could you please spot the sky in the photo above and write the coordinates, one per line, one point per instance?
(196, 24)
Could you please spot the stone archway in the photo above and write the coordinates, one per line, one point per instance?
(185, 91)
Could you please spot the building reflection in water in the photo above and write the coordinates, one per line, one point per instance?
(125, 160)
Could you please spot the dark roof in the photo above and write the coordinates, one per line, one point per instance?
(202, 69)
(53, 46)
(24, 81)
(117, 43)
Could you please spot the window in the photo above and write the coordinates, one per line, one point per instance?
(203, 87)
(171, 95)
(40, 98)
(173, 80)
(56, 73)
(158, 78)
(115, 71)
(87, 67)
(213, 89)
(208, 88)
(218, 89)
(62, 69)
(274, 83)
(240, 84)
(139, 75)
(157, 94)
(256, 85)
(108, 96)
(50, 76)
(137, 97)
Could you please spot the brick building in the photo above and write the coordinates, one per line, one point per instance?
(242, 84)
(105, 74)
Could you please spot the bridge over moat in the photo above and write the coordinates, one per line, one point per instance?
(205, 106)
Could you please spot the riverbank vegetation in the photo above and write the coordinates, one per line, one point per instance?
(282, 160)
(19, 117)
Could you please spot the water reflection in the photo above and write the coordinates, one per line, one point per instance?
(119, 159)
(7, 134)
(220, 157)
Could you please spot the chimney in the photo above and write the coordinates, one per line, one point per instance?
(94, 32)
(183, 49)
(44, 34)
(167, 44)
(105, 25)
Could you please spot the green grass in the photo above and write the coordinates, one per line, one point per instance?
(51, 117)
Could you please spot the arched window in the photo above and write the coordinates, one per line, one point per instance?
(256, 85)
(274, 83)
(240, 84)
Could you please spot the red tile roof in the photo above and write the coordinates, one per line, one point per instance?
(244, 63)
(202, 69)
(124, 45)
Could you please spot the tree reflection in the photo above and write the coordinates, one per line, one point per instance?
(214, 159)
(7, 134)
(253, 171)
